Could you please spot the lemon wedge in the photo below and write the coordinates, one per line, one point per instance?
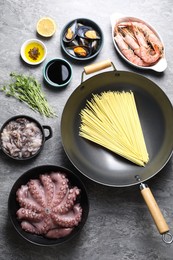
(46, 26)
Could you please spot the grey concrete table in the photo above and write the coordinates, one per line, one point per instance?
(118, 227)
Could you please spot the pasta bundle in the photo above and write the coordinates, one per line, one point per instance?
(111, 120)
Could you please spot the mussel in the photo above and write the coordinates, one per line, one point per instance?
(74, 42)
(84, 42)
(94, 46)
(71, 32)
(87, 33)
(79, 51)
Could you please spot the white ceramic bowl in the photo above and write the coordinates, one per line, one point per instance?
(27, 46)
(116, 18)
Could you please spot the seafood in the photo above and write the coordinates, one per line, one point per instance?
(149, 34)
(128, 52)
(91, 34)
(87, 33)
(49, 205)
(81, 40)
(21, 138)
(70, 34)
(79, 50)
(138, 43)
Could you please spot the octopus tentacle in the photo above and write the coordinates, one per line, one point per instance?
(70, 219)
(36, 227)
(36, 189)
(48, 188)
(44, 226)
(25, 199)
(28, 227)
(58, 232)
(68, 201)
(61, 187)
(28, 214)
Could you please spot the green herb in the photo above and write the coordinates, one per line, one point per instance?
(28, 90)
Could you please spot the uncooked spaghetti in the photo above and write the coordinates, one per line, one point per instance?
(111, 120)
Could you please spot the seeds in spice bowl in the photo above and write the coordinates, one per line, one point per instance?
(33, 51)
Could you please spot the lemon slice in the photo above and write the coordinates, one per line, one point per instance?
(46, 26)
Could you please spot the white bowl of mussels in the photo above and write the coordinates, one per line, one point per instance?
(82, 39)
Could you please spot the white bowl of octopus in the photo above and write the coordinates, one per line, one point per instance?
(22, 137)
(48, 205)
(138, 42)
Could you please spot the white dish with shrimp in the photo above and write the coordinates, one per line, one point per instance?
(138, 43)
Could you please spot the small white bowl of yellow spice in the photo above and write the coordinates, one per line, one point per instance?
(33, 51)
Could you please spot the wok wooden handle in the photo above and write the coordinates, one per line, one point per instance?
(154, 209)
(97, 66)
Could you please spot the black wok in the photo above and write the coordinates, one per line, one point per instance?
(156, 116)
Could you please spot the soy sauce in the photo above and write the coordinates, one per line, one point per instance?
(58, 72)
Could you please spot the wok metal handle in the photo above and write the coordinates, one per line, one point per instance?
(97, 67)
(156, 213)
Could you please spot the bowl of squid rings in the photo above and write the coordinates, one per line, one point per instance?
(138, 43)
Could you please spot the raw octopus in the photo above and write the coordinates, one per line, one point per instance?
(138, 43)
(21, 138)
(48, 206)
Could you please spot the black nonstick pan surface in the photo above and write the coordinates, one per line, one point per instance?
(156, 116)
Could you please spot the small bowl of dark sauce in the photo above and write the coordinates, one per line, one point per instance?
(57, 72)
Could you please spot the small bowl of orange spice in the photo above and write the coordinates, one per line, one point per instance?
(33, 51)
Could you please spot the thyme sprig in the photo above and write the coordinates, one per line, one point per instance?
(28, 90)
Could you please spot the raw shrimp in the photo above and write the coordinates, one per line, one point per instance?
(146, 53)
(127, 51)
(149, 35)
(130, 39)
(141, 40)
